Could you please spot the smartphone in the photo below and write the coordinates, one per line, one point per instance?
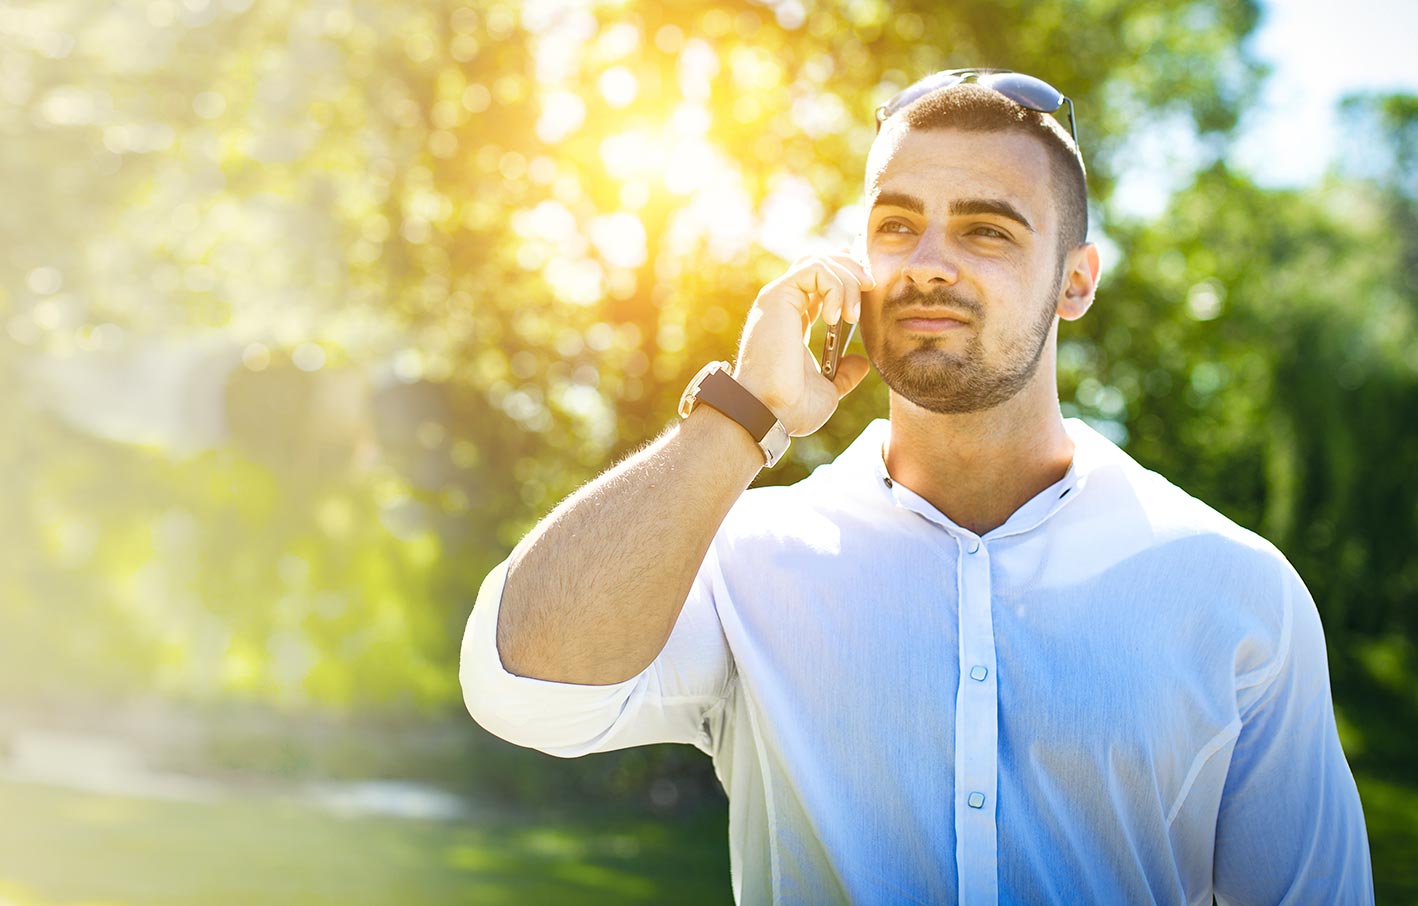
(838, 336)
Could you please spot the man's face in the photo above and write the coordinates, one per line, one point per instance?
(962, 237)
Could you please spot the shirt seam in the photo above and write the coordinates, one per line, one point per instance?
(720, 587)
(1215, 744)
(769, 807)
(1268, 674)
(681, 699)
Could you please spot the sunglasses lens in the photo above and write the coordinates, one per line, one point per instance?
(1026, 91)
(920, 89)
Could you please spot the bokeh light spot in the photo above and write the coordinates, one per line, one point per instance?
(477, 98)
(620, 239)
(209, 105)
(669, 39)
(44, 281)
(309, 357)
(562, 114)
(256, 357)
(618, 86)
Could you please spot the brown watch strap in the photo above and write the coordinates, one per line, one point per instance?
(729, 397)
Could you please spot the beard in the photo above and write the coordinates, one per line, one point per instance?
(935, 378)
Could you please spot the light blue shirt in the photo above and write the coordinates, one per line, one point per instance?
(1116, 697)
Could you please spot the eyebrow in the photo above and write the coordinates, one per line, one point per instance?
(961, 208)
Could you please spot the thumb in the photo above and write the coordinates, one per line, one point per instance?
(850, 371)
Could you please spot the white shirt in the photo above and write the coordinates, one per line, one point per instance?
(1116, 697)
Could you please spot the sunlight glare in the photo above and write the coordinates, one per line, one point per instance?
(698, 64)
(792, 217)
(562, 114)
(618, 86)
(576, 281)
(631, 154)
(620, 238)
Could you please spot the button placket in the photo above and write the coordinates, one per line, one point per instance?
(976, 729)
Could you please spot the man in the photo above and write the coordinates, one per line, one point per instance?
(981, 657)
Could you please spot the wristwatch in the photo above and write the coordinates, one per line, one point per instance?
(714, 386)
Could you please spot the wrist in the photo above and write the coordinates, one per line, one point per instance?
(757, 386)
(715, 386)
(712, 428)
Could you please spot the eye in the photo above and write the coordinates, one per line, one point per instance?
(893, 226)
(989, 232)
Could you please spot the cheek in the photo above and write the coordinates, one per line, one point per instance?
(1008, 269)
(884, 258)
(869, 324)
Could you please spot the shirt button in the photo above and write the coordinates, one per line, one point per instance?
(974, 545)
(978, 673)
(976, 800)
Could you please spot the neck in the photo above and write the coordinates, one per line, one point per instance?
(979, 467)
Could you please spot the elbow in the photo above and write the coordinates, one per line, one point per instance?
(565, 720)
(494, 698)
(561, 719)
(485, 685)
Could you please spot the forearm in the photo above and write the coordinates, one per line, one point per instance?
(596, 587)
(593, 592)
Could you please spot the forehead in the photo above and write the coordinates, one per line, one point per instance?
(941, 165)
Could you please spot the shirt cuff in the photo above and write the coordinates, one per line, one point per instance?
(564, 719)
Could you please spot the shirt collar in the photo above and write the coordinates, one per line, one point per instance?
(862, 465)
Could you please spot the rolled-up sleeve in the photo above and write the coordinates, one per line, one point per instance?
(1291, 827)
(672, 700)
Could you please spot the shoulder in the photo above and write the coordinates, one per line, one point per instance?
(1166, 514)
(1133, 506)
(1231, 574)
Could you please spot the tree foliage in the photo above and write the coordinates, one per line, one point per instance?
(311, 311)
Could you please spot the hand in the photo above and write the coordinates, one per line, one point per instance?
(775, 362)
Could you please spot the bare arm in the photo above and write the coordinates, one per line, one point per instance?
(637, 535)
(594, 590)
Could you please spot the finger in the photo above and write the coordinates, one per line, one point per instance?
(815, 306)
(851, 303)
(820, 279)
(850, 371)
(858, 269)
(812, 312)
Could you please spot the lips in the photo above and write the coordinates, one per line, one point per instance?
(930, 320)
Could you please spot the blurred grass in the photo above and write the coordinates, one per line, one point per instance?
(63, 848)
(264, 850)
(1377, 707)
(1391, 816)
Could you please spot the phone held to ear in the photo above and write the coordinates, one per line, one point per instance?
(838, 336)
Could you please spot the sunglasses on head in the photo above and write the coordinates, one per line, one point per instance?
(1025, 90)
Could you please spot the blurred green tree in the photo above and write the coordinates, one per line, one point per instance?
(457, 258)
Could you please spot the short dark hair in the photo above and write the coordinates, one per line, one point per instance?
(975, 108)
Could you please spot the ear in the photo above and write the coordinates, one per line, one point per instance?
(1081, 269)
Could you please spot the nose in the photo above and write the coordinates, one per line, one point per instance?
(930, 262)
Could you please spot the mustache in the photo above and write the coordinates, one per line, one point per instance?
(946, 298)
